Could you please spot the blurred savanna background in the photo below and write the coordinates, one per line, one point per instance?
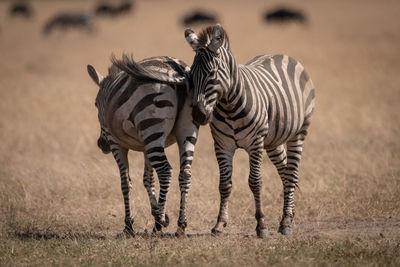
(60, 197)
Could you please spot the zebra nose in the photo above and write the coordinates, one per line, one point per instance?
(199, 116)
(103, 145)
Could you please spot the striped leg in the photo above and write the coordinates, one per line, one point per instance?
(159, 162)
(279, 159)
(294, 150)
(255, 184)
(186, 157)
(148, 182)
(186, 135)
(224, 158)
(121, 157)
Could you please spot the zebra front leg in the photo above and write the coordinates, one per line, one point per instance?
(186, 149)
(255, 184)
(121, 157)
(294, 150)
(186, 135)
(148, 182)
(224, 158)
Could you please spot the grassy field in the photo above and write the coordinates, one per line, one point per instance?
(60, 197)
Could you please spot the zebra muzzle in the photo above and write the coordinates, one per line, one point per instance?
(104, 145)
(199, 113)
(199, 116)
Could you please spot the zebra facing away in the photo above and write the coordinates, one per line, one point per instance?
(144, 107)
(264, 104)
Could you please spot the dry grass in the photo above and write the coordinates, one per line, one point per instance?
(224, 251)
(60, 199)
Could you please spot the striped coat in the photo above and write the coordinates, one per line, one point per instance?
(144, 107)
(262, 105)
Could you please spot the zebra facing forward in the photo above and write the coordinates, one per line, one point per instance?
(261, 105)
(144, 107)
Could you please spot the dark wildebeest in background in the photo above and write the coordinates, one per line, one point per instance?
(69, 20)
(21, 9)
(105, 9)
(284, 14)
(199, 17)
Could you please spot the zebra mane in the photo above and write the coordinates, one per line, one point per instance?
(168, 71)
(113, 71)
(205, 36)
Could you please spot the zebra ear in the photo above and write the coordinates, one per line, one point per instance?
(217, 38)
(96, 77)
(191, 38)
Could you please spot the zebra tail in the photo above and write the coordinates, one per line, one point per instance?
(140, 73)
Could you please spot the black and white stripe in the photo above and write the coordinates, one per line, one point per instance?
(144, 107)
(262, 105)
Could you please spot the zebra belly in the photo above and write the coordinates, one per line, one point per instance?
(126, 135)
(131, 140)
(280, 132)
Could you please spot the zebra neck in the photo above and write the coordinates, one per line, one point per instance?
(235, 91)
(230, 75)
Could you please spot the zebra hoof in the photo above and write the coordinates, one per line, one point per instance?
(157, 233)
(262, 233)
(180, 232)
(126, 233)
(217, 228)
(285, 230)
(129, 233)
(166, 221)
(157, 227)
(128, 230)
(161, 223)
(216, 232)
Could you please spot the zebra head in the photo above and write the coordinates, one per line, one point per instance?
(102, 142)
(208, 72)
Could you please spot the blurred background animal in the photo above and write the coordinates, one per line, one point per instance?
(285, 15)
(21, 9)
(105, 8)
(72, 20)
(197, 17)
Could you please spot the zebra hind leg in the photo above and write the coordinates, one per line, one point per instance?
(291, 178)
(278, 157)
(121, 158)
(159, 162)
(148, 182)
